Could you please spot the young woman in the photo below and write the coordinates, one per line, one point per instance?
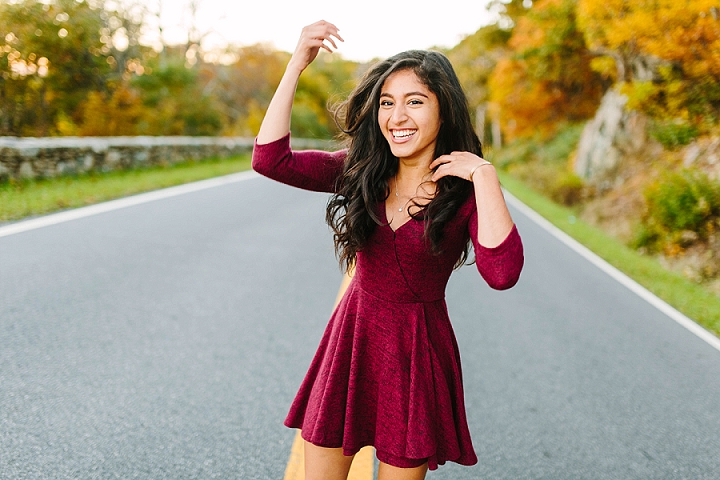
(410, 194)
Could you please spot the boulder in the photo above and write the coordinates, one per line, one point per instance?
(614, 133)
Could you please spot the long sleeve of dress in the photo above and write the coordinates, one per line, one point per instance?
(500, 266)
(319, 171)
(313, 170)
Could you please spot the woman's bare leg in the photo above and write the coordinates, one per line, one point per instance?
(326, 463)
(388, 472)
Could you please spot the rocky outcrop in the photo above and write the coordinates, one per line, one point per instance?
(614, 133)
(55, 156)
(704, 154)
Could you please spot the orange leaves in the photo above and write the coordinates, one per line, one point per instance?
(548, 80)
(526, 105)
(687, 32)
(527, 35)
(683, 35)
(565, 53)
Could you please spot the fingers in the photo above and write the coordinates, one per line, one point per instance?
(441, 171)
(458, 164)
(439, 161)
(324, 32)
(318, 35)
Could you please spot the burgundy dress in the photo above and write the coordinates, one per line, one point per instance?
(387, 371)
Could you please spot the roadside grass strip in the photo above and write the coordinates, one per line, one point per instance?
(74, 214)
(668, 291)
(28, 198)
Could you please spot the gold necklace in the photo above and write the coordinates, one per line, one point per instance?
(397, 195)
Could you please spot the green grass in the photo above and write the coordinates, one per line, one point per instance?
(692, 300)
(37, 197)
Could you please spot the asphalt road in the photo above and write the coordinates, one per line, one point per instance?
(166, 340)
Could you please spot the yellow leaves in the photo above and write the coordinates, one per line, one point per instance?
(663, 100)
(686, 32)
(117, 115)
(615, 23)
(639, 94)
(65, 126)
(548, 80)
(605, 66)
(684, 36)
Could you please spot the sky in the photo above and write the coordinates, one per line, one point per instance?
(371, 28)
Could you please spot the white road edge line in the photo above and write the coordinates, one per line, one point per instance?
(631, 284)
(82, 212)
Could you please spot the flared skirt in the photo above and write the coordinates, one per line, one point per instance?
(386, 374)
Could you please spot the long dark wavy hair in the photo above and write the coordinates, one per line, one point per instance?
(369, 166)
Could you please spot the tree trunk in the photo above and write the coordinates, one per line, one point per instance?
(43, 111)
(480, 112)
(496, 133)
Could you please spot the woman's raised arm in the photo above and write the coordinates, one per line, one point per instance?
(276, 123)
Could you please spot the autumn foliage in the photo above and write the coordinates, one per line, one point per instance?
(667, 52)
(546, 79)
(563, 54)
(78, 67)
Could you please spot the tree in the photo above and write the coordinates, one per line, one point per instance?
(175, 98)
(328, 81)
(54, 55)
(548, 79)
(77, 67)
(474, 59)
(244, 87)
(666, 53)
(110, 115)
(509, 11)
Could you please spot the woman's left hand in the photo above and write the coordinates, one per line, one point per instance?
(458, 164)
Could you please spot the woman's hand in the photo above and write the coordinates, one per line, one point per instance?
(494, 221)
(276, 123)
(458, 164)
(319, 35)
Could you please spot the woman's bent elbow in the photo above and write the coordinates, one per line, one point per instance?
(505, 282)
(503, 277)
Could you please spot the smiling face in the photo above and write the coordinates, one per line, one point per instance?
(409, 117)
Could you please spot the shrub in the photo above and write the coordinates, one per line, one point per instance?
(558, 150)
(681, 205)
(517, 152)
(543, 164)
(673, 133)
(567, 189)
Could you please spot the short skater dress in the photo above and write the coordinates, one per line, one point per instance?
(387, 371)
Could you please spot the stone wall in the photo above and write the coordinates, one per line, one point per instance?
(55, 156)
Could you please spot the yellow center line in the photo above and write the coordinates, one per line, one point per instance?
(364, 462)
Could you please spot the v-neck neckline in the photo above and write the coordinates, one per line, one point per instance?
(387, 222)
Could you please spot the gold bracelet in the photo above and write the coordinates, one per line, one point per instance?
(476, 167)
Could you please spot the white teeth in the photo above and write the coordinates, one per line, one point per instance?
(402, 133)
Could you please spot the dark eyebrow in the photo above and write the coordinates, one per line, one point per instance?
(409, 94)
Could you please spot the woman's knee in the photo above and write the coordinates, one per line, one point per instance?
(401, 468)
(323, 463)
(390, 472)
